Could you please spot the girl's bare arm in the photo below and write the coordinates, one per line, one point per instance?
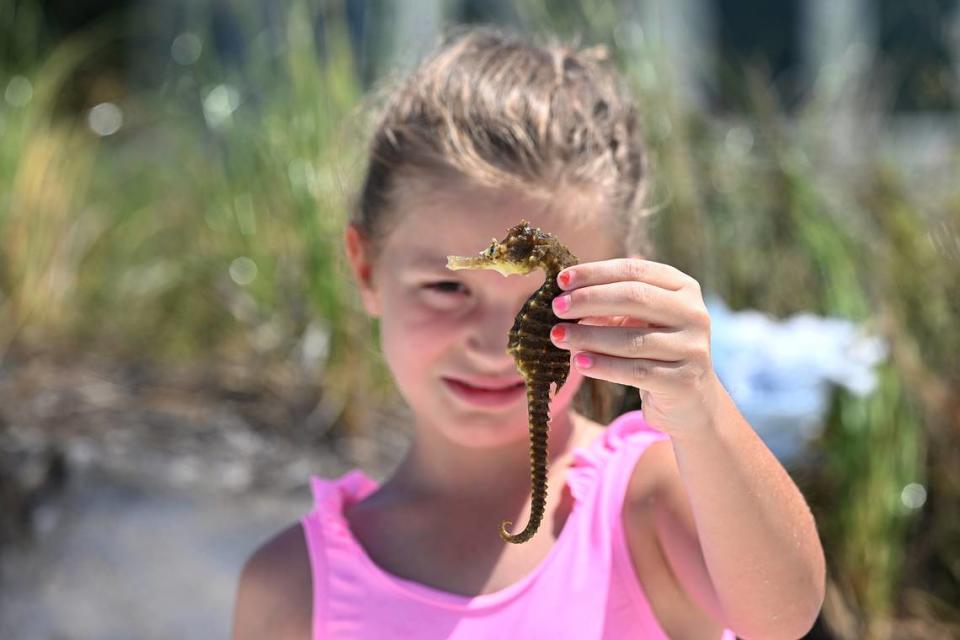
(273, 598)
(737, 531)
(645, 324)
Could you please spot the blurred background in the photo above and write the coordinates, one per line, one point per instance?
(180, 348)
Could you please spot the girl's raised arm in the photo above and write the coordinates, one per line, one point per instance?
(649, 328)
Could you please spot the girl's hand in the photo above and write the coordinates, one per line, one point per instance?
(643, 324)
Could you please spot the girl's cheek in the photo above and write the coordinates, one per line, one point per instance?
(420, 332)
(423, 318)
(408, 348)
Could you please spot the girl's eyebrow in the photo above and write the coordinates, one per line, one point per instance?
(427, 262)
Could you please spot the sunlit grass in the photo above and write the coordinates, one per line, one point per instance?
(46, 166)
(208, 227)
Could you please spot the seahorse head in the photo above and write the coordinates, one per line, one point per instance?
(520, 252)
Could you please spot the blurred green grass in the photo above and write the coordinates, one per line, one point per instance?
(208, 229)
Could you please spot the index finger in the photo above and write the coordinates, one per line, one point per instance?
(621, 270)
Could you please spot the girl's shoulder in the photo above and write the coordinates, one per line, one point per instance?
(273, 596)
(644, 450)
(654, 478)
(663, 545)
(655, 473)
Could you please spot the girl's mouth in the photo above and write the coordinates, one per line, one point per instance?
(477, 396)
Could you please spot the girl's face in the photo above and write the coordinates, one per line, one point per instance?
(439, 326)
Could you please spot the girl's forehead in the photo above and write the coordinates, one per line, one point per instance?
(463, 223)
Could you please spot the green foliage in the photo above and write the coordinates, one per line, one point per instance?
(208, 226)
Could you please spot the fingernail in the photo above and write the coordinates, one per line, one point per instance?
(561, 303)
(583, 360)
(565, 278)
(558, 333)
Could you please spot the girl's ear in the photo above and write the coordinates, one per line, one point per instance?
(361, 265)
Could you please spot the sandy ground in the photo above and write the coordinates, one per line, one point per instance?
(161, 491)
(117, 561)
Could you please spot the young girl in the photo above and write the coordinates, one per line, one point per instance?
(671, 522)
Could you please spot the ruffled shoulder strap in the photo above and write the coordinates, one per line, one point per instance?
(322, 527)
(612, 455)
(631, 429)
(331, 493)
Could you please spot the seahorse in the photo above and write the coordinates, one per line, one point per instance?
(539, 362)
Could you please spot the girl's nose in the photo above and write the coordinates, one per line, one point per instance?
(489, 334)
(491, 339)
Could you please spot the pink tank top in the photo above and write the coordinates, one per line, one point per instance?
(584, 588)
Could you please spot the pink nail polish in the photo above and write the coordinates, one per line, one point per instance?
(558, 333)
(561, 303)
(583, 360)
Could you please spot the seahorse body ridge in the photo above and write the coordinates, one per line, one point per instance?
(524, 249)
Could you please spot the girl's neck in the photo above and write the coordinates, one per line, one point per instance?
(436, 469)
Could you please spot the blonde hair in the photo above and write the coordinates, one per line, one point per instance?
(492, 108)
